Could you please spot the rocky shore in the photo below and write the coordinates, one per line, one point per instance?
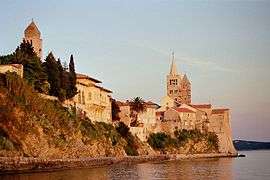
(25, 164)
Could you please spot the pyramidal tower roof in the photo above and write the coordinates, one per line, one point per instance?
(173, 70)
(31, 30)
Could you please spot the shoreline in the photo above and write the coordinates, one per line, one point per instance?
(12, 165)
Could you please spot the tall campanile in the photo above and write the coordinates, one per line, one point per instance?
(33, 36)
(178, 85)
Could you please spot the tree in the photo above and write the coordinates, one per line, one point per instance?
(72, 89)
(33, 71)
(137, 105)
(52, 68)
(115, 111)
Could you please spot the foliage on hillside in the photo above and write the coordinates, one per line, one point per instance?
(183, 140)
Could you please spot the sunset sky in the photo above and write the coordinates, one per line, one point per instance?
(224, 47)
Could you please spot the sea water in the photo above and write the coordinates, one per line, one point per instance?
(256, 165)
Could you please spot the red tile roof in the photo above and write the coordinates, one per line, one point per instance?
(104, 89)
(83, 76)
(184, 110)
(219, 111)
(203, 106)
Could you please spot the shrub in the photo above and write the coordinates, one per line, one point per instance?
(130, 150)
(122, 129)
(88, 129)
(183, 135)
(5, 142)
(159, 140)
(212, 140)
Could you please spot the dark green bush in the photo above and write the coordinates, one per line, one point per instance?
(183, 135)
(5, 142)
(159, 140)
(122, 129)
(212, 140)
(130, 150)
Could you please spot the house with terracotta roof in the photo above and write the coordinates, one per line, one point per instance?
(93, 100)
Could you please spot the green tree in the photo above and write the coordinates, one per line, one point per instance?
(32, 66)
(71, 89)
(137, 105)
(52, 68)
(115, 110)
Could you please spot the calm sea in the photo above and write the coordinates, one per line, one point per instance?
(256, 165)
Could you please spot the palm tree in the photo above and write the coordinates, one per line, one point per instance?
(137, 105)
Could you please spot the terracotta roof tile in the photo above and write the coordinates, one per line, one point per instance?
(219, 111)
(83, 76)
(204, 106)
(104, 89)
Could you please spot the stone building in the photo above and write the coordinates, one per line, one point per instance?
(178, 85)
(17, 68)
(146, 120)
(182, 117)
(33, 36)
(92, 100)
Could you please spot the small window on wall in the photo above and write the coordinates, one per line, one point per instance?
(171, 91)
(83, 100)
(79, 97)
(175, 91)
(89, 96)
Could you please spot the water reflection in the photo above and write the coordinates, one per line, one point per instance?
(195, 169)
(255, 166)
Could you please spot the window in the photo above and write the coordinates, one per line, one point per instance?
(89, 96)
(83, 100)
(171, 91)
(173, 82)
(175, 91)
(79, 97)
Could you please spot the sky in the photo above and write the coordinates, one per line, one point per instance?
(222, 46)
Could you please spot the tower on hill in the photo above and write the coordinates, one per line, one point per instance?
(33, 36)
(178, 85)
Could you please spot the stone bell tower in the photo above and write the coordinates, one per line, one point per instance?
(33, 36)
(178, 85)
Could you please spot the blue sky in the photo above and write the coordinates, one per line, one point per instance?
(223, 46)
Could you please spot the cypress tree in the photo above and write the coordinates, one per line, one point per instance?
(72, 89)
(53, 73)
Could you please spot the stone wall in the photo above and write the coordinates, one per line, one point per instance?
(17, 68)
(220, 124)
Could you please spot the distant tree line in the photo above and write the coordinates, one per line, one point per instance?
(49, 77)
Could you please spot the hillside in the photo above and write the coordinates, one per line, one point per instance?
(241, 145)
(31, 126)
